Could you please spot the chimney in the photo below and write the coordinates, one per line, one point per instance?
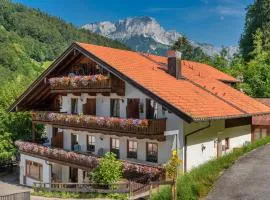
(174, 63)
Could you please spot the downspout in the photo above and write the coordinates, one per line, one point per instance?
(186, 136)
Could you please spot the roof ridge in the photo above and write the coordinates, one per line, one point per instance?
(147, 57)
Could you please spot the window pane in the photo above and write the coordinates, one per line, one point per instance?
(257, 134)
(155, 147)
(135, 145)
(117, 143)
(115, 107)
(264, 132)
(74, 106)
(34, 170)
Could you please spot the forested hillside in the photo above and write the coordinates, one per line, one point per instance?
(29, 41)
(29, 38)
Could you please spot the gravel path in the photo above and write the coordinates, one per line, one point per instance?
(247, 179)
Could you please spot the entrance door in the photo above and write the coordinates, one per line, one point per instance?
(73, 175)
(57, 139)
(90, 107)
(219, 147)
(133, 108)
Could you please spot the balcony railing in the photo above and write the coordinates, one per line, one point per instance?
(92, 83)
(80, 160)
(80, 83)
(140, 128)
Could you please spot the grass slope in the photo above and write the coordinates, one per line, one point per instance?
(197, 183)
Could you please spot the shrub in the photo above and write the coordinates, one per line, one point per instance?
(163, 194)
(172, 165)
(109, 170)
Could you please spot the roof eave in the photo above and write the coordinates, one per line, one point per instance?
(199, 119)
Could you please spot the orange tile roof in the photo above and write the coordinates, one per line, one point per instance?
(198, 67)
(200, 96)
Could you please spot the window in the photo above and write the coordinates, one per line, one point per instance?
(133, 108)
(132, 148)
(115, 107)
(151, 152)
(259, 133)
(91, 141)
(115, 146)
(74, 143)
(151, 109)
(227, 143)
(74, 106)
(34, 170)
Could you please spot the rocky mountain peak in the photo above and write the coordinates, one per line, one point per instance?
(145, 34)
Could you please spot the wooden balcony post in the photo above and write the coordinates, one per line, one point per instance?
(33, 132)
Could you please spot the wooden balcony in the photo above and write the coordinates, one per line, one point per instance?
(79, 160)
(146, 128)
(87, 84)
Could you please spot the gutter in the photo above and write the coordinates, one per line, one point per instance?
(186, 137)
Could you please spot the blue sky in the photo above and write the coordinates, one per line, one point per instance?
(219, 22)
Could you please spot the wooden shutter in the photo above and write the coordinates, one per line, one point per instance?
(57, 139)
(133, 108)
(90, 107)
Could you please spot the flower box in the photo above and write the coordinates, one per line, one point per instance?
(75, 82)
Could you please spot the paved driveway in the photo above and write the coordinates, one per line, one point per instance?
(9, 184)
(247, 179)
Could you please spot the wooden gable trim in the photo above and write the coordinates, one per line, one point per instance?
(41, 77)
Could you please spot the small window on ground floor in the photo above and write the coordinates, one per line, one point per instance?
(259, 133)
(115, 146)
(132, 148)
(227, 143)
(151, 152)
(34, 170)
(91, 142)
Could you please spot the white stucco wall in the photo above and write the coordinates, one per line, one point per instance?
(208, 137)
(173, 123)
(29, 181)
(103, 142)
